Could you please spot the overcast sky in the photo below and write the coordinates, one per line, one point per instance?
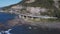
(8, 2)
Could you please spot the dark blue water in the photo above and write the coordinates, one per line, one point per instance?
(4, 17)
(23, 29)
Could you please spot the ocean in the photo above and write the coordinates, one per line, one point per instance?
(24, 29)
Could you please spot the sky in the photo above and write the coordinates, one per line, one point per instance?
(4, 3)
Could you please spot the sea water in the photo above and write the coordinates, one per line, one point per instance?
(4, 17)
(24, 29)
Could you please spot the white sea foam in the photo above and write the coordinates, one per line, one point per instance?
(0, 33)
(7, 32)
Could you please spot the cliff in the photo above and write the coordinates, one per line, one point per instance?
(36, 7)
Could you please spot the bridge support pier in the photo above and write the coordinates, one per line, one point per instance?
(27, 18)
(22, 17)
(32, 18)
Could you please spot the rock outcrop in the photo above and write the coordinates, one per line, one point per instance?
(39, 7)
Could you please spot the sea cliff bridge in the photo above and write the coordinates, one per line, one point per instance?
(25, 16)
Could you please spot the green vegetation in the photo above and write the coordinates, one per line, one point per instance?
(41, 3)
(53, 12)
(43, 20)
(49, 4)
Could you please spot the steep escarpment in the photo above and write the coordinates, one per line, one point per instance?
(36, 7)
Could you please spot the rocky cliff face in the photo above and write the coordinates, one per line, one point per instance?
(39, 7)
